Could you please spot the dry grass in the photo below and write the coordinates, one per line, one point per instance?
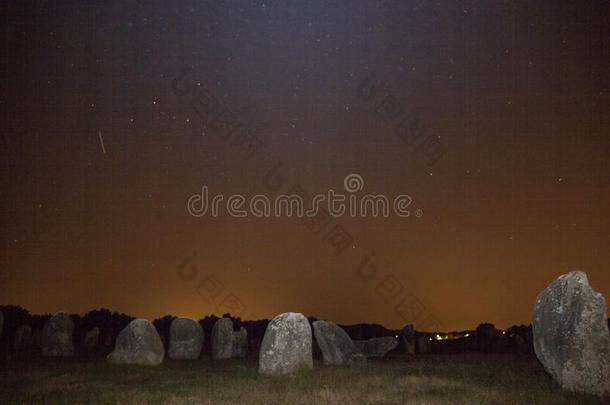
(445, 379)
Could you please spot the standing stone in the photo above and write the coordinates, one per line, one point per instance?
(487, 337)
(240, 342)
(408, 338)
(138, 343)
(222, 339)
(36, 339)
(423, 344)
(23, 337)
(336, 346)
(57, 336)
(519, 344)
(92, 338)
(286, 346)
(377, 347)
(185, 339)
(107, 340)
(571, 337)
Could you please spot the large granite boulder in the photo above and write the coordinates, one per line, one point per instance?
(336, 346)
(185, 339)
(377, 347)
(571, 337)
(408, 338)
(56, 339)
(286, 346)
(138, 343)
(92, 338)
(222, 339)
(240, 342)
(23, 337)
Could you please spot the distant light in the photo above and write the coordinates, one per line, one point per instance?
(466, 335)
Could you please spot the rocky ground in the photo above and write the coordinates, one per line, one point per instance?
(426, 379)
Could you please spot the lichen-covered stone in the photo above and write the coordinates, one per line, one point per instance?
(240, 342)
(286, 346)
(185, 339)
(222, 339)
(56, 339)
(408, 338)
(336, 345)
(23, 337)
(92, 338)
(571, 336)
(423, 344)
(138, 343)
(377, 347)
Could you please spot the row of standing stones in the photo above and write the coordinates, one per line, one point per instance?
(571, 339)
(286, 346)
(140, 343)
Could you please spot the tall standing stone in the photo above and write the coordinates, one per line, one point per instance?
(138, 343)
(571, 337)
(23, 337)
(286, 346)
(408, 338)
(56, 339)
(222, 339)
(336, 345)
(487, 337)
(240, 342)
(92, 338)
(107, 339)
(185, 339)
(423, 344)
(36, 339)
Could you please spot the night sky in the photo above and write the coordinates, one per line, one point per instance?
(504, 150)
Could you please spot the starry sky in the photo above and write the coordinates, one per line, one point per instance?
(493, 116)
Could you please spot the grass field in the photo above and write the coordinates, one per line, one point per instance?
(433, 379)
